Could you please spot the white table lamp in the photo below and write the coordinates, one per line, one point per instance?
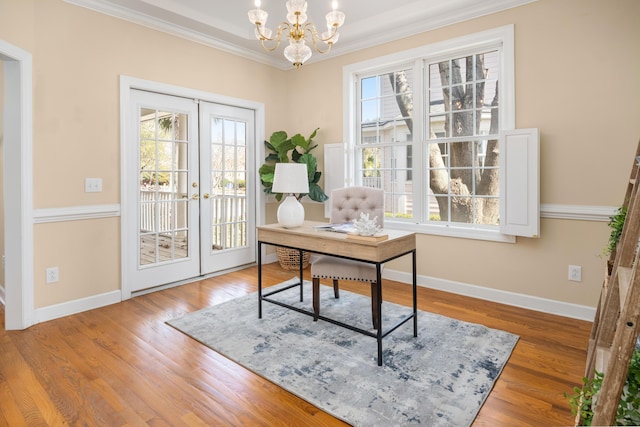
(290, 179)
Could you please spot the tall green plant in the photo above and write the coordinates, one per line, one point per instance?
(297, 149)
(616, 223)
(584, 398)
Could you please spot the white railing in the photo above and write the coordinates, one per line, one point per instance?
(148, 210)
(228, 217)
(372, 181)
(229, 222)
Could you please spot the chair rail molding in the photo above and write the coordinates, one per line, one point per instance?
(75, 213)
(577, 212)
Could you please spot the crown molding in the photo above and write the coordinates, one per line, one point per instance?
(396, 23)
(190, 34)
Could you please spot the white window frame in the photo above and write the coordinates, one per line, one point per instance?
(502, 36)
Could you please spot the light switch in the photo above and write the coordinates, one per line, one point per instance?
(92, 185)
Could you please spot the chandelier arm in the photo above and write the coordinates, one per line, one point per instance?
(314, 37)
(277, 39)
(314, 32)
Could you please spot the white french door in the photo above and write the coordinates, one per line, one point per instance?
(190, 179)
(227, 207)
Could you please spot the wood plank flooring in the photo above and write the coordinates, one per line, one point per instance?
(122, 365)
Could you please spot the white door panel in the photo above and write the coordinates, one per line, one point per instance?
(164, 228)
(227, 137)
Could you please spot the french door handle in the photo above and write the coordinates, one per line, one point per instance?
(205, 196)
(195, 196)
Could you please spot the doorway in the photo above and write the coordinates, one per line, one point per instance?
(191, 179)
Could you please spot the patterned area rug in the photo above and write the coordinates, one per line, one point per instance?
(440, 378)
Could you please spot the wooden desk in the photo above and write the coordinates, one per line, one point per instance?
(308, 239)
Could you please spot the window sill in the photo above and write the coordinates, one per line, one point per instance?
(451, 231)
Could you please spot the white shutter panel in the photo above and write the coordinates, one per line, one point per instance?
(333, 172)
(520, 182)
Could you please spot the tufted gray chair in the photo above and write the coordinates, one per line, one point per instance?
(346, 205)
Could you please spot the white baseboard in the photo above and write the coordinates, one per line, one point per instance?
(529, 302)
(76, 306)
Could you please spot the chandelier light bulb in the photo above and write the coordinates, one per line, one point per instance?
(335, 18)
(258, 17)
(297, 18)
(294, 6)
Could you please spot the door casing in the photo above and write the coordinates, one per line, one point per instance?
(127, 83)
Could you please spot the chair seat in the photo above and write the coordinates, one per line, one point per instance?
(328, 267)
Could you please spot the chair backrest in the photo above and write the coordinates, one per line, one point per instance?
(347, 204)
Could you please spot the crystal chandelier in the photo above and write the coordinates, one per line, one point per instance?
(297, 26)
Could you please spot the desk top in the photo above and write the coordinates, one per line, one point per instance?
(308, 238)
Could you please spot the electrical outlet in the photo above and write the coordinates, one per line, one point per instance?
(52, 275)
(575, 273)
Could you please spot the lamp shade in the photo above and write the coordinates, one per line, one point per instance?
(290, 178)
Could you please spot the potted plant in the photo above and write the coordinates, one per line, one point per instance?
(282, 149)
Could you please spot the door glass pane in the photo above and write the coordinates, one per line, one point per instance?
(148, 248)
(228, 178)
(164, 186)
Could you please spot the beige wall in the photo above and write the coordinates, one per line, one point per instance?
(565, 54)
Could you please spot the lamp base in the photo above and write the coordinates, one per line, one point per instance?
(290, 213)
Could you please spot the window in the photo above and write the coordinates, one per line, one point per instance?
(427, 130)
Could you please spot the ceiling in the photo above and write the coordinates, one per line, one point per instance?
(224, 24)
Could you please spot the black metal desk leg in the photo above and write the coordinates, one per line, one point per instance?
(379, 312)
(301, 279)
(415, 296)
(259, 280)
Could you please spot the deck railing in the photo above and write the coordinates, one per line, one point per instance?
(228, 213)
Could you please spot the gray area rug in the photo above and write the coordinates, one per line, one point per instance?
(440, 378)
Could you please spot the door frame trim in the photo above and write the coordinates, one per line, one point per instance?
(127, 83)
(18, 169)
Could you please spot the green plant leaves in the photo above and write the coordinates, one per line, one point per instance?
(616, 223)
(281, 145)
(316, 193)
(628, 412)
(282, 149)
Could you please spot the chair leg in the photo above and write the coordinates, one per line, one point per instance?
(374, 304)
(336, 291)
(316, 297)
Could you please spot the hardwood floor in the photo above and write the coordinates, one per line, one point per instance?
(122, 365)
